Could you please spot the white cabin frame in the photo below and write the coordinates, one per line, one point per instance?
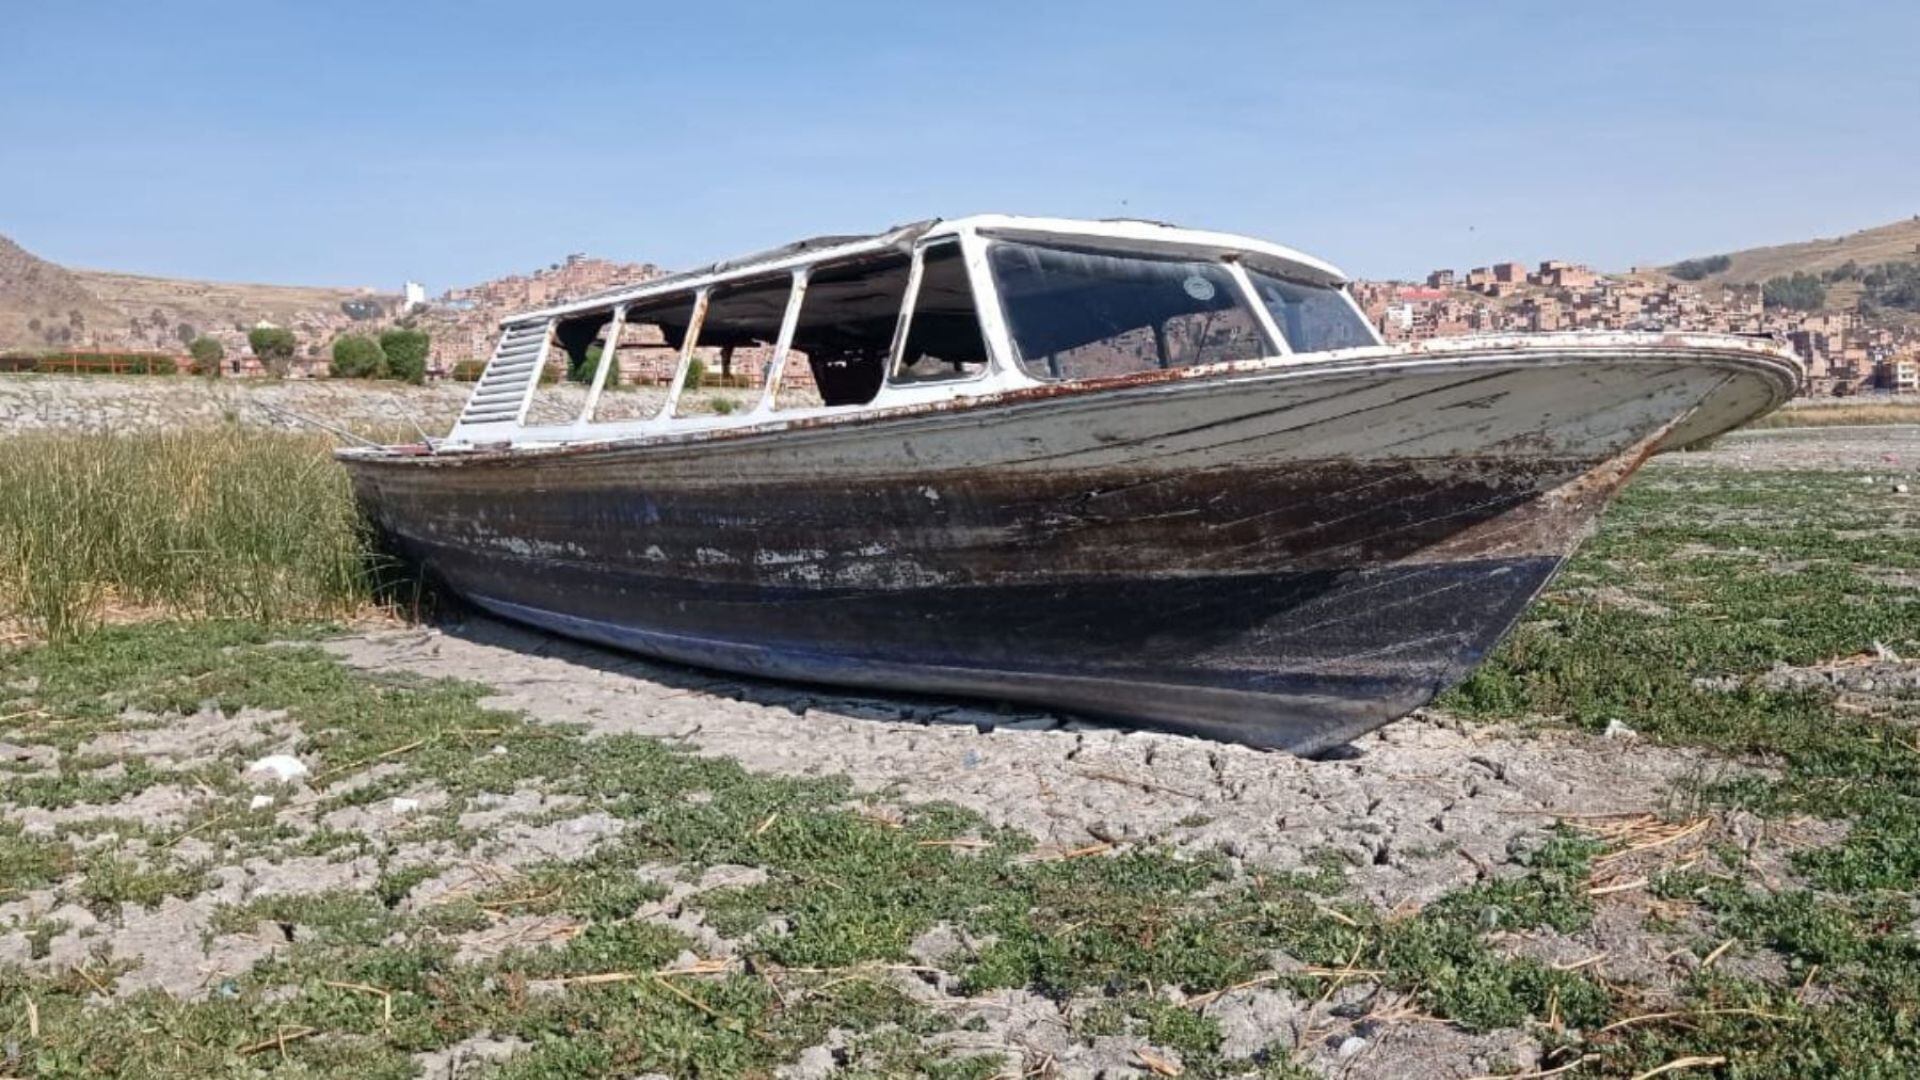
(975, 236)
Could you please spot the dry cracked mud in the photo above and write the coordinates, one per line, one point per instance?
(1419, 808)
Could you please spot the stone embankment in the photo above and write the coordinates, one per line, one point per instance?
(30, 403)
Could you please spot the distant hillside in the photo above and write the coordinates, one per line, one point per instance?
(46, 306)
(1898, 242)
(43, 305)
(155, 308)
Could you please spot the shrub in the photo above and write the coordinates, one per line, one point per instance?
(94, 363)
(357, 357)
(1695, 269)
(723, 406)
(1894, 285)
(471, 370)
(582, 372)
(406, 353)
(274, 346)
(207, 354)
(1800, 291)
(696, 373)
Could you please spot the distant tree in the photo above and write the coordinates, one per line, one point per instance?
(406, 353)
(357, 357)
(33, 325)
(582, 372)
(1695, 269)
(207, 354)
(1894, 285)
(1799, 291)
(274, 346)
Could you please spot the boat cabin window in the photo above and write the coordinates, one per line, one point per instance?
(1314, 318)
(845, 332)
(733, 346)
(944, 342)
(1082, 314)
(644, 359)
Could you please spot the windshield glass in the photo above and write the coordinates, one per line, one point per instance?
(1090, 315)
(1314, 318)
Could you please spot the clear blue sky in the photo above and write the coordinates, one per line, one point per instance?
(350, 143)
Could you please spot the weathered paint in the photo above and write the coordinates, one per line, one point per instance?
(1285, 552)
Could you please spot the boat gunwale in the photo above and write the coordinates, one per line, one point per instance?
(1783, 370)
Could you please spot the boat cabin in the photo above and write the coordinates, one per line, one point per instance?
(921, 314)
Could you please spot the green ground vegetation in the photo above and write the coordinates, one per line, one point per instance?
(1727, 574)
(847, 889)
(1737, 572)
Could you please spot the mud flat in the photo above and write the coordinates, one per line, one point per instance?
(1891, 450)
(1677, 817)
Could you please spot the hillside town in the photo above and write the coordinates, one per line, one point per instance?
(461, 323)
(83, 318)
(465, 321)
(1844, 352)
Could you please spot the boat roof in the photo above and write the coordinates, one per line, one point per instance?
(1115, 234)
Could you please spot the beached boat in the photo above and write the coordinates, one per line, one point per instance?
(1117, 468)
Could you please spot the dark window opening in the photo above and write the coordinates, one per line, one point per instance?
(944, 341)
(1081, 314)
(846, 327)
(644, 359)
(733, 347)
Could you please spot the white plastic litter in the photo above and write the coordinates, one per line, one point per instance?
(260, 802)
(1352, 1045)
(403, 805)
(1618, 730)
(284, 768)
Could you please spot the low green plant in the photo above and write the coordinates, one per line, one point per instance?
(1736, 573)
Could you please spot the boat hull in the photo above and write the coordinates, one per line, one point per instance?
(1280, 555)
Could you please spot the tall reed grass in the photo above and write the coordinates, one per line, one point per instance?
(1849, 413)
(223, 522)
